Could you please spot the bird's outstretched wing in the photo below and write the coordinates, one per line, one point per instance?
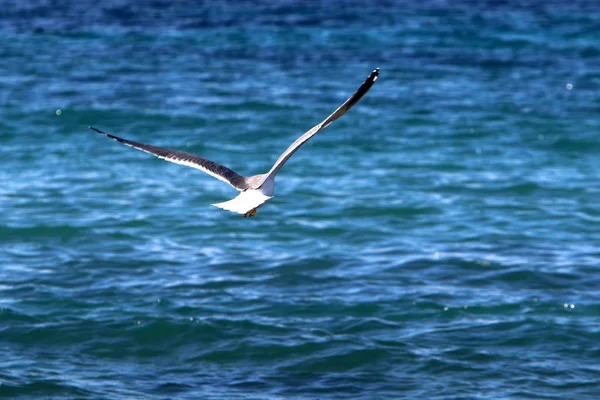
(364, 88)
(191, 160)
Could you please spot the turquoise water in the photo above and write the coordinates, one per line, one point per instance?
(440, 241)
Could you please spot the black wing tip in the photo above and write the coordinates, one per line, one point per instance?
(118, 139)
(97, 130)
(374, 74)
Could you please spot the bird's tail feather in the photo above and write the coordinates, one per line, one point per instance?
(244, 202)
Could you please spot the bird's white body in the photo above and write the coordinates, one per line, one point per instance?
(250, 199)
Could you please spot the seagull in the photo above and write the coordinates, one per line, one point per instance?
(257, 189)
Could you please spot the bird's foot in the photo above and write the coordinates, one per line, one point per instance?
(250, 213)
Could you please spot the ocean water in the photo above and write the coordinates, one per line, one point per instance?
(440, 241)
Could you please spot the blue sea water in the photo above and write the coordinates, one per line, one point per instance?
(440, 241)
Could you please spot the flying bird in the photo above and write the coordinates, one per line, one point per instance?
(255, 190)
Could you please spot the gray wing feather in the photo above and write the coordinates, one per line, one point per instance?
(191, 160)
(364, 88)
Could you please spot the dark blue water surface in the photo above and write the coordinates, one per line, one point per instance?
(440, 241)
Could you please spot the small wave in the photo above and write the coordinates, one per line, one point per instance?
(343, 360)
(19, 234)
(10, 315)
(41, 389)
(573, 145)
